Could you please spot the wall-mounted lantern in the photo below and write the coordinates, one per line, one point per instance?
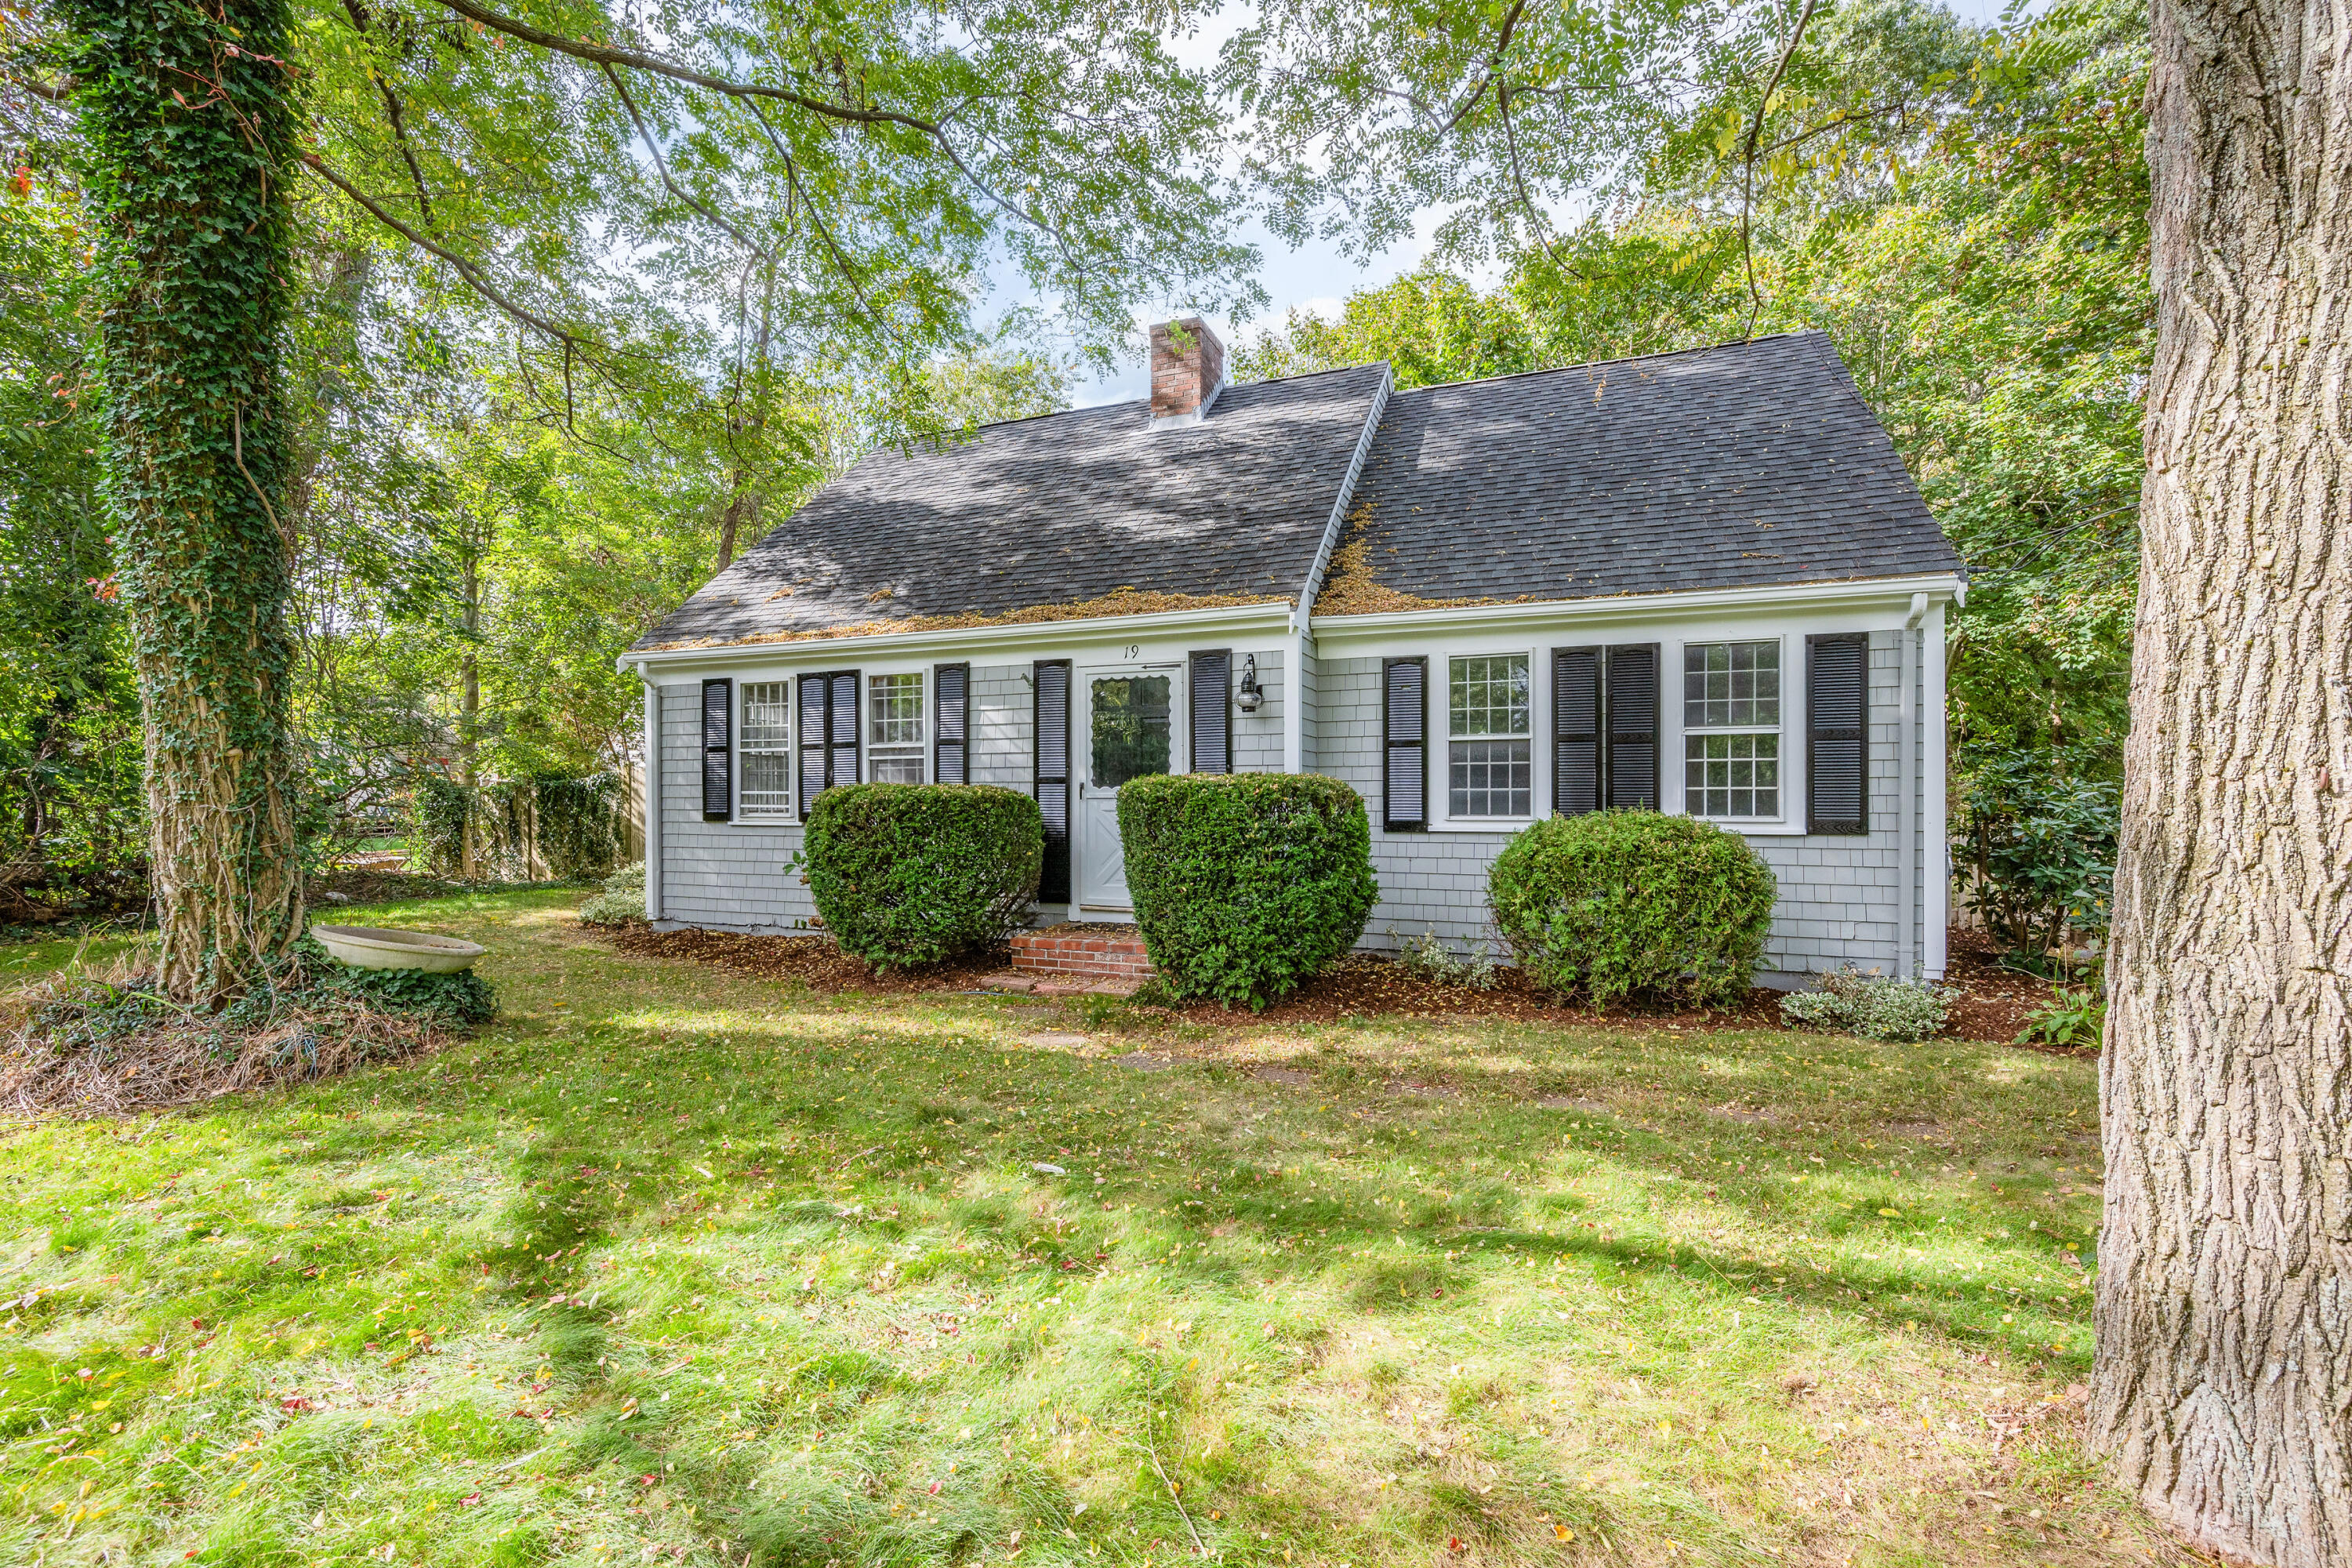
(1248, 697)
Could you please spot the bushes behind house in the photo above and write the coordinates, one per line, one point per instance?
(622, 902)
(1612, 904)
(1246, 884)
(913, 874)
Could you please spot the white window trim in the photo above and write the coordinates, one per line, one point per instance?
(1792, 705)
(1442, 820)
(789, 811)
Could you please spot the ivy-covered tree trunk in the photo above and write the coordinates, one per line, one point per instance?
(187, 109)
(2223, 1383)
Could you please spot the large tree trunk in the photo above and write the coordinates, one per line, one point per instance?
(187, 112)
(2223, 1385)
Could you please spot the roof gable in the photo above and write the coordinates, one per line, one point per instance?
(1747, 465)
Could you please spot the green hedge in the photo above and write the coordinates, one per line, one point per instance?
(913, 874)
(1614, 902)
(1246, 884)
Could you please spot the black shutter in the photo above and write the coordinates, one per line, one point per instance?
(951, 692)
(1213, 711)
(1052, 750)
(1632, 708)
(718, 752)
(1836, 732)
(828, 734)
(815, 700)
(1404, 745)
(1575, 730)
(840, 749)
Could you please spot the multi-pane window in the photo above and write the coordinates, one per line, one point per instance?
(894, 728)
(763, 750)
(1490, 732)
(1731, 718)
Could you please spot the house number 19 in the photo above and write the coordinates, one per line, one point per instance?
(1134, 651)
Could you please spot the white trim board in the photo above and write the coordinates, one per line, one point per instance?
(1886, 594)
(998, 641)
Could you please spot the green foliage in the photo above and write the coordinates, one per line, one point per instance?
(622, 901)
(2075, 1019)
(2035, 848)
(579, 823)
(1615, 903)
(1245, 885)
(518, 831)
(462, 1000)
(913, 874)
(72, 808)
(1429, 957)
(187, 119)
(1874, 1008)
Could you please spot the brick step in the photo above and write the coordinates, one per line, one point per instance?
(1114, 954)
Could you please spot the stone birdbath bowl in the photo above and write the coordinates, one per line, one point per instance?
(370, 947)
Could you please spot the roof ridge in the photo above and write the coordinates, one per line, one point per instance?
(1145, 401)
(1622, 358)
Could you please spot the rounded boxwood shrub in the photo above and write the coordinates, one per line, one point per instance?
(1246, 884)
(912, 874)
(1612, 902)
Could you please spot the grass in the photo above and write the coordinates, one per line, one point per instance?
(675, 1266)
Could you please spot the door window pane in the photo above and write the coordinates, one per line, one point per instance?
(894, 728)
(1129, 729)
(763, 752)
(1486, 695)
(1731, 775)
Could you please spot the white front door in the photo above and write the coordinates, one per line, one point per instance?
(1133, 727)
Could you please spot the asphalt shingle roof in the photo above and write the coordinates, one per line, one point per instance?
(1058, 509)
(1749, 464)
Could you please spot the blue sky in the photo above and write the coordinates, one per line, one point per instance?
(1316, 277)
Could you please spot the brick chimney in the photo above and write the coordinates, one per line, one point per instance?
(1188, 371)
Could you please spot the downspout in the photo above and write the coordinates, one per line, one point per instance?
(652, 797)
(1906, 786)
(1937, 906)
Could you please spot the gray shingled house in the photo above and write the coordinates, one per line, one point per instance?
(1701, 581)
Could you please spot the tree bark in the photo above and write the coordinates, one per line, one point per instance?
(187, 119)
(2223, 1383)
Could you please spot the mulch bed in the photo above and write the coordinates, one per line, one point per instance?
(1989, 1002)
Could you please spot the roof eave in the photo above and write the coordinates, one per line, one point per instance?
(1273, 613)
(1848, 592)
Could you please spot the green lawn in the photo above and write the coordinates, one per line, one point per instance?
(675, 1265)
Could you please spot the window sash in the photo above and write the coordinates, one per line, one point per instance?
(1489, 694)
(1732, 685)
(896, 736)
(1732, 775)
(1491, 778)
(894, 709)
(763, 750)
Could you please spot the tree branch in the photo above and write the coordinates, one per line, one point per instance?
(638, 59)
(1747, 168)
(661, 164)
(1489, 69)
